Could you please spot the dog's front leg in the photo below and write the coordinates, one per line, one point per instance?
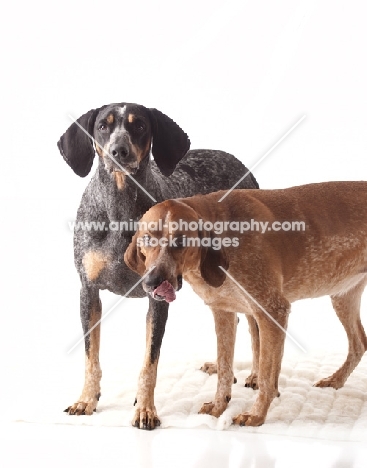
(211, 367)
(251, 380)
(145, 416)
(225, 327)
(90, 312)
(272, 338)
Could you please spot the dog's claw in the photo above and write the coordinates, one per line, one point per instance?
(251, 381)
(248, 419)
(215, 409)
(146, 419)
(253, 386)
(209, 368)
(328, 382)
(81, 408)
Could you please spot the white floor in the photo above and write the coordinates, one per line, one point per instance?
(58, 446)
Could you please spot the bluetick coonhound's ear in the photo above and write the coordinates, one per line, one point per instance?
(170, 142)
(133, 257)
(211, 260)
(76, 146)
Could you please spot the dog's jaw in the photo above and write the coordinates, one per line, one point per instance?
(119, 176)
(164, 291)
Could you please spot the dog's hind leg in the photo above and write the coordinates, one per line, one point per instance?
(145, 416)
(90, 311)
(347, 308)
(251, 380)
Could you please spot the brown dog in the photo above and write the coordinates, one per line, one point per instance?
(268, 265)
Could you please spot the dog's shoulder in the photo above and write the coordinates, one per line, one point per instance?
(208, 166)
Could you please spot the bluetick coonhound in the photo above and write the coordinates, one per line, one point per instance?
(325, 254)
(124, 136)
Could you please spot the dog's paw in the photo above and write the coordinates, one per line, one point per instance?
(145, 418)
(85, 406)
(248, 419)
(251, 381)
(331, 381)
(206, 408)
(209, 368)
(82, 408)
(214, 408)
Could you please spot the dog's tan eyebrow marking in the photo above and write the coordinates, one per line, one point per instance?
(110, 119)
(131, 118)
(156, 233)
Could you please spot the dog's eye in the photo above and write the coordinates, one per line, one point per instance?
(179, 242)
(102, 127)
(146, 240)
(139, 126)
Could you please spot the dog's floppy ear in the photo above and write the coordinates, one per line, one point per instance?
(211, 260)
(76, 146)
(133, 257)
(170, 142)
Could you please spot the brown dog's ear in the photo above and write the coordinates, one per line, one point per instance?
(211, 260)
(170, 142)
(76, 146)
(133, 257)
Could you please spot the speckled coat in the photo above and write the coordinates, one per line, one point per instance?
(131, 133)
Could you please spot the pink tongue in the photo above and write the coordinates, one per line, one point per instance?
(165, 290)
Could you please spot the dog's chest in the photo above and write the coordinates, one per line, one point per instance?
(102, 263)
(227, 297)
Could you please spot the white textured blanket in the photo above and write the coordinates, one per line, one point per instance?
(301, 410)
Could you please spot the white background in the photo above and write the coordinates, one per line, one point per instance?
(235, 76)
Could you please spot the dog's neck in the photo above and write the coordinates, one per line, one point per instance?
(129, 201)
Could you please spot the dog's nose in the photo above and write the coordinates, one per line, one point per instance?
(153, 280)
(120, 151)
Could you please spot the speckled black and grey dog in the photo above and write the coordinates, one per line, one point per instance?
(123, 136)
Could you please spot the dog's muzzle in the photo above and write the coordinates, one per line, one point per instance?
(162, 290)
(121, 159)
(130, 169)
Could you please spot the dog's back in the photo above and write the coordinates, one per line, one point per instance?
(315, 235)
